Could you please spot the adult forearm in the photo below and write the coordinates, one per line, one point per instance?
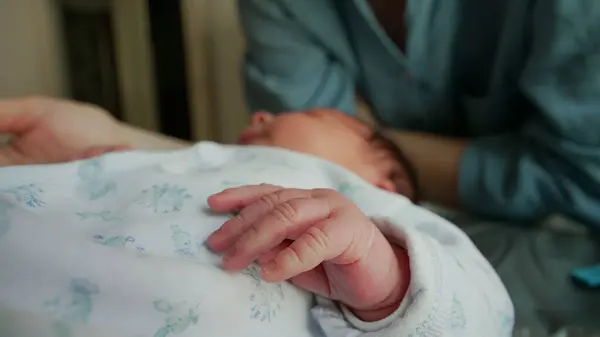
(148, 140)
(509, 176)
(436, 162)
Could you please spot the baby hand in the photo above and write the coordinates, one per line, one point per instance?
(316, 239)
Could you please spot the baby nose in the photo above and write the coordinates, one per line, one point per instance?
(261, 117)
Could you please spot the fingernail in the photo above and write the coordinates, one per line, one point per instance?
(217, 232)
(225, 261)
(212, 240)
(230, 254)
(269, 267)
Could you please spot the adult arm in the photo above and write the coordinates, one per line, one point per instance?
(551, 165)
(149, 140)
(47, 130)
(286, 67)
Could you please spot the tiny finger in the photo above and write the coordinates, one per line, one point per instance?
(304, 254)
(237, 198)
(288, 220)
(226, 236)
(270, 255)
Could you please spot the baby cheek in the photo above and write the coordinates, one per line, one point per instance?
(294, 137)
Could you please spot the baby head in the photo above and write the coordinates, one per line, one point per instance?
(333, 136)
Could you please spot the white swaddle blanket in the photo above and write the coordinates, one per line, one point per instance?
(114, 246)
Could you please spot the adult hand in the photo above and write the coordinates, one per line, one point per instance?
(46, 130)
(436, 162)
(316, 239)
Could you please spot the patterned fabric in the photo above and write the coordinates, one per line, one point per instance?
(115, 246)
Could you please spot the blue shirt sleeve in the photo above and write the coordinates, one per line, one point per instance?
(285, 68)
(552, 165)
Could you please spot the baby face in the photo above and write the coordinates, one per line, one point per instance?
(325, 133)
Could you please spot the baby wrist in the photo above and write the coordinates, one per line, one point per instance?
(393, 302)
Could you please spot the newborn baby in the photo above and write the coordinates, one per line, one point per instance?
(145, 244)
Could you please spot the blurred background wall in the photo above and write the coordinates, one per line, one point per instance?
(168, 66)
(31, 58)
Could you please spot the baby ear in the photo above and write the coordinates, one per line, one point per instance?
(388, 185)
(400, 186)
(404, 187)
